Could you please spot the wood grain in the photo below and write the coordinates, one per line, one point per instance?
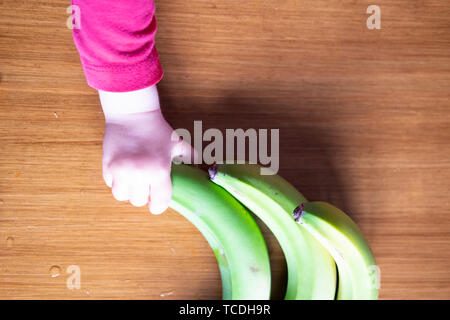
(364, 124)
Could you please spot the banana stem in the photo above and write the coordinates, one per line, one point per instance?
(298, 212)
(212, 171)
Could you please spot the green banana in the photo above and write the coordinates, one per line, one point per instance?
(311, 269)
(230, 230)
(358, 273)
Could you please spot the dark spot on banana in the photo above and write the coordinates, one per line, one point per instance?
(254, 269)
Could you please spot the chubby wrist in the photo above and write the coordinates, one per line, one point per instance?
(116, 104)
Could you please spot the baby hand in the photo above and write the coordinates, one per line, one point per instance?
(138, 149)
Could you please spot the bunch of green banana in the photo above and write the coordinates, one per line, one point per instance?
(230, 230)
(311, 269)
(308, 233)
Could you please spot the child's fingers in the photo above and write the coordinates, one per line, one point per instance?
(120, 188)
(160, 193)
(139, 193)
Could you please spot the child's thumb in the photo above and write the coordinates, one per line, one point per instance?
(183, 152)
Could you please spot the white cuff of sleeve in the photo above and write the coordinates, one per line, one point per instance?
(116, 103)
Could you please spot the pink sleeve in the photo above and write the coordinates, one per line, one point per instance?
(116, 42)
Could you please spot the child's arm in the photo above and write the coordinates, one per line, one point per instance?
(117, 44)
(119, 58)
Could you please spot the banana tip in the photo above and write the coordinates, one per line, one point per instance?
(213, 171)
(298, 212)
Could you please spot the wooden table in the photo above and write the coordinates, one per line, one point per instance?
(364, 124)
